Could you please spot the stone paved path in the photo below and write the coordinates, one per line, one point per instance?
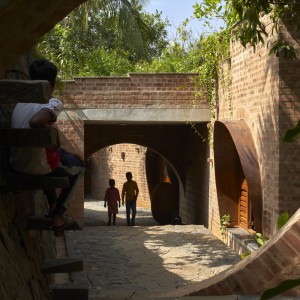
(122, 262)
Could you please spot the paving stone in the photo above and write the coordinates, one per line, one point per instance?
(144, 261)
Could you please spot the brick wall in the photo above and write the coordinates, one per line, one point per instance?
(288, 116)
(135, 91)
(254, 97)
(177, 144)
(265, 93)
(108, 163)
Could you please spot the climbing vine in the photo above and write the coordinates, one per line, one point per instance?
(243, 19)
(214, 54)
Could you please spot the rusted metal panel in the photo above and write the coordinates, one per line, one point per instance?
(235, 155)
(165, 203)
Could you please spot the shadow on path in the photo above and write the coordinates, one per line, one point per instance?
(124, 262)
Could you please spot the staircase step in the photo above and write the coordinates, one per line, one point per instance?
(69, 291)
(62, 265)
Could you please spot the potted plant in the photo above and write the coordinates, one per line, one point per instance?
(226, 222)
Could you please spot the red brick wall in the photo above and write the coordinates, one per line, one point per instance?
(254, 91)
(107, 163)
(265, 93)
(177, 144)
(135, 91)
(288, 116)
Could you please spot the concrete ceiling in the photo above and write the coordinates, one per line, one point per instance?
(23, 22)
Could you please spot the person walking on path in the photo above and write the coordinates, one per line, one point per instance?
(112, 197)
(130, 193)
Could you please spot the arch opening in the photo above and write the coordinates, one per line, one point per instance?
(154, 174)
(237, 174)
(163, 189)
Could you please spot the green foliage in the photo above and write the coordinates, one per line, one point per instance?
(243, 19)
(224, 220)
(279, 289)
(102, 63)
(282, 220)
(245, 254)
(102, 38)
(260, 239)
(281, 46)
(214, 51)
(175, 58)
(292, 134)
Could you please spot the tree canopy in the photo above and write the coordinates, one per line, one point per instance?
(104, 38)
(115, 37)
(243, 18)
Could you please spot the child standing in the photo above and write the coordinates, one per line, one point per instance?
(112, 197)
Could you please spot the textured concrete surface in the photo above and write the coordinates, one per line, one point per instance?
(124, 262)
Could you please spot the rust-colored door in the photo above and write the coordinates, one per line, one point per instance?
(245, 215)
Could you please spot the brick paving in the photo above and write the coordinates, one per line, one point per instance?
(124, 262)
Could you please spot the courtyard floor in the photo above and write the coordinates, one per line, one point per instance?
(125, 262)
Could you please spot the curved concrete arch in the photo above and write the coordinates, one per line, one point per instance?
(233, 145)
(271, 264)
(31, 20)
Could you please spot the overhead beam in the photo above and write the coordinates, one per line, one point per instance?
(138, 115)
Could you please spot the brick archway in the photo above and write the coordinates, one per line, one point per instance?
(172, 142)
(158, 110)
(169, 141)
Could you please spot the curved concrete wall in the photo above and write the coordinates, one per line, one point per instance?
(278, 260)
(23, 22)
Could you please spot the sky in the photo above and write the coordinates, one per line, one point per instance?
(177, 12)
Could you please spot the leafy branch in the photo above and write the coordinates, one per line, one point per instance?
(244, 19)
